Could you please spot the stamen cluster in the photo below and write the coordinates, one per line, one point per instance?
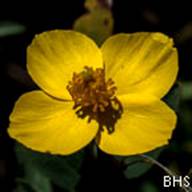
(90, 89)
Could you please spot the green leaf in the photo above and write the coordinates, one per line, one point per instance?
(24, 188)
(173, 97)
(149, 187)
(186, 90)
(33, 180)
(8, 28)
(97, 23)
(40, 185)
(61, 170)
(135, 166)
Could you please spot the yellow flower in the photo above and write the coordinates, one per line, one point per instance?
(112, 93)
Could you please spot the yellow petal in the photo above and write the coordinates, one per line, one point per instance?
(146, 123)
(53, 56)
(48, 125)
(141, 62)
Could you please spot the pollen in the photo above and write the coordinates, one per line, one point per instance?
(90, 89)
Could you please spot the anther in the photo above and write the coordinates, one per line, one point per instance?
(90, 89)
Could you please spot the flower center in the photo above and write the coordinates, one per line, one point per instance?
(95, 97)
(89, 89)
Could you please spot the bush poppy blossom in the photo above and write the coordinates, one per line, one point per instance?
(111, 94)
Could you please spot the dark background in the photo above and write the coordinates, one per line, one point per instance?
(171, 17)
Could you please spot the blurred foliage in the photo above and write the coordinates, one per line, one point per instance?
(92, 5)
(186, 91)
(40, 168)
(149, 187)
(98, 22)
(8, 28)
(32, 180)
(173, 97)
(184, 34)
(135, 166)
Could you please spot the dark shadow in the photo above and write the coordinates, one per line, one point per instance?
(106, 119)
